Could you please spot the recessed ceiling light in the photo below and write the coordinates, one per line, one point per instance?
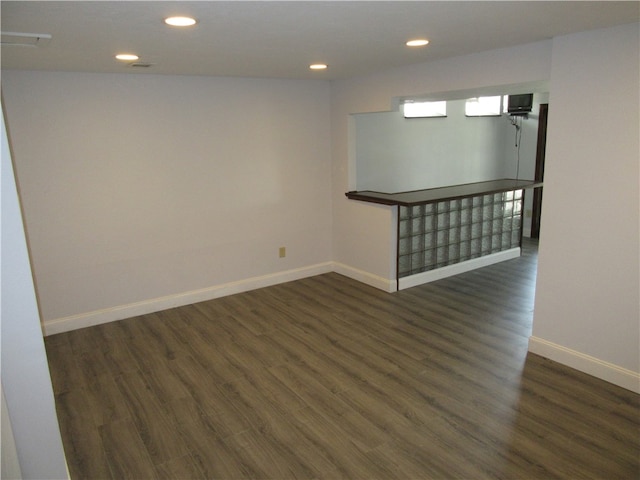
(318, 66)
(418, 42)
(127, 57)
(180, 21)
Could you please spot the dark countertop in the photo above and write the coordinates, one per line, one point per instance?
(431, 195)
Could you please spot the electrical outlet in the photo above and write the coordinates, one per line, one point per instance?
(282, 252)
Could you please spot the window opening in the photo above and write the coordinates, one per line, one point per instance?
(425, 109)
(482, 107)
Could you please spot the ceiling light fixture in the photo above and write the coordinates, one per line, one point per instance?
(180, 21)
(127, 57)
(318, 66)
(418, 42)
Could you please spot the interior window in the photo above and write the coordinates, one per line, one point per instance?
(482, 107)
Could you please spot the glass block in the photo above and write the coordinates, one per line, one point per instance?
(517, 208)
(443, 207)
(428, 209)
(441, 255)
(465, 232)
(487, 212)
(477, 201)
(496, 243)
(417, 225)
(416, 211)
(507, 223)
(454, 253)
(404, 265)
(498, 209)
(454, 235)
(486, 244)
(508, 209)
(516, 223)
(508, 195)
(487, 228)
(429, 223)
(466, 202)
(404, 213)
(404, 246)
(465, 216)
(465, 250)
(497, 198)
(454, 205)
(475, 247)
(417, 260)
(430, 258)
(506, 239)
(404, 228)
(429, 240)
(454, 218)
(442, 237)
(476, 214)
(497, 225)
(515, 238)
(517, 195)
(417, 241)
(487, 199)
(476, 230)
(443, 221)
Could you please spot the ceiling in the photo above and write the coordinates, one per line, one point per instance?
(280, 39)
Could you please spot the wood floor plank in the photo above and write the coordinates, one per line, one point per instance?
(105, 400)
(328, 378)
(213, 456)
(83, 445)
(180, 468)
(210, 399)
(125, 452)
(154, 428)
(278, 458)
(65, 373)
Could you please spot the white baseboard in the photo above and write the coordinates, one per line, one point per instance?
(386, 284)
(450, 270)
(593, 366)
(121, 312)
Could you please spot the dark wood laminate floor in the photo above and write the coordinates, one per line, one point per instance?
(326, 378)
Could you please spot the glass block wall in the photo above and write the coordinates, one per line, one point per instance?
(438, 234)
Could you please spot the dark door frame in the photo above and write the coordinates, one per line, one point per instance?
(539, 172)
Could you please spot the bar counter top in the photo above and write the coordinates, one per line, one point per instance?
(430, 195)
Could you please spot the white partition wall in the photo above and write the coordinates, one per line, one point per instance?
(26, 384)
(588, 292)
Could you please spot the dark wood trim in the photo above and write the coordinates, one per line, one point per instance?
(432, 195)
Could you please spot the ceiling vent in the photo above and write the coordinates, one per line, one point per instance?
(25, 39)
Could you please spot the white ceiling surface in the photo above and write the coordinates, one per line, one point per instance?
(280, 39)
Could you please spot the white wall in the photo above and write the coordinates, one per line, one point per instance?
(587, 303)
(395, 154)
(26, 384)
(142, 191)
